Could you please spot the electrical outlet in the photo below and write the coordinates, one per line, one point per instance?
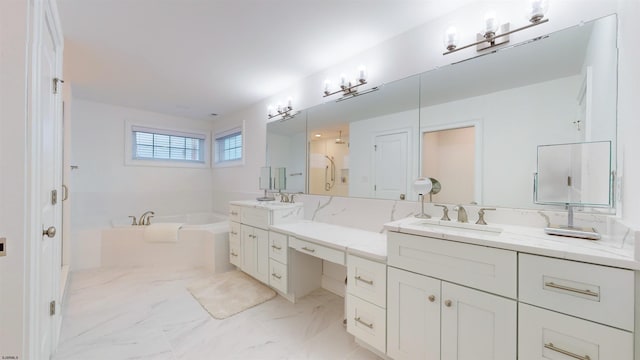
(3, 242)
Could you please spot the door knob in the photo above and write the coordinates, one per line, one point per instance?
(50, 232)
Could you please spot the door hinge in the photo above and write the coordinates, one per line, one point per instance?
(375, 147)
(52, 308)
(57, 84)
(54, 197)
(375, 187)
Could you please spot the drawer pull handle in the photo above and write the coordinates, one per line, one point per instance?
(370, 326)
(550, 346)
(308, 249)
(276, 276)
(276, 247)
(234, 233)
(551, 284)
(234, 213)
(359, 278)
(447, 303)
(432, 298)
(233, 254)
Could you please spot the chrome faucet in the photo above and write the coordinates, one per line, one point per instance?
(462, 214)
(145, 219)
(284, 197)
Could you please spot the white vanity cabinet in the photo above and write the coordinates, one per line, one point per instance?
(366, 301)
(574, 310)
(431, 317)
(278, 260)
(249, 235)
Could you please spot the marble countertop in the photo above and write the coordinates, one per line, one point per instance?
(610, 250)
(270, 205)
(363, 243)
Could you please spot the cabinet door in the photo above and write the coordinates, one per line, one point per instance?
(477, 325)
(413, 316)
(249, 250)
(261, 238)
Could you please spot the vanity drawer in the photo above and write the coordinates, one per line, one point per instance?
(367, 280)
(234, 213)
(320, 251)
(278, 276)
(234, 252)
(367, 322)
(234, 231)
(255, 217)
(594, 292)
(278, 248)
(480, 267)
(544, 334)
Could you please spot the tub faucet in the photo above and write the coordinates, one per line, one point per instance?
(144, 218)
(462, 214)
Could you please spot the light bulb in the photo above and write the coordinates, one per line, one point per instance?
(270, 110)
(536, 9)
(490, 24)
(327, 86)
(451, 38)
(343, 81)
(289, 103)
(362, 74)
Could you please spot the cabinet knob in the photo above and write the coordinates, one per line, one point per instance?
(432, 298)
(447, 303)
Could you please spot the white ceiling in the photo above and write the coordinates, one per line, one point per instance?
(192, 58)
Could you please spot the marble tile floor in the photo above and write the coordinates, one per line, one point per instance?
(147, 313)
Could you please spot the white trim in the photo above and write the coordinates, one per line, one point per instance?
(214, 147)
(129, 160)
(479, 149)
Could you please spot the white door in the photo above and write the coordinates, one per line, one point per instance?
(413, 316)
(391, 166)
(477, 325)
(48, 258)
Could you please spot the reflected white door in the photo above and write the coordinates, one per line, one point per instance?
(391, 166)
(48, 265)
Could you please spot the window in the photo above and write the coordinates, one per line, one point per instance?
(164, 147)
(229, 145)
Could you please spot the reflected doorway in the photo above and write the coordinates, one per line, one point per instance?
(449, 156)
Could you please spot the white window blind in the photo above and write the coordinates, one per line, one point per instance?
(167, 145)
(229, 146)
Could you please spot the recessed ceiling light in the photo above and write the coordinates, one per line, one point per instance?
(318, 135)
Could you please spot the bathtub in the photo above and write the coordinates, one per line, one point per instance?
(203, 241)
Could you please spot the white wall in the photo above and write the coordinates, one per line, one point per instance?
(103, 188)
(628, 110)
(13, 179)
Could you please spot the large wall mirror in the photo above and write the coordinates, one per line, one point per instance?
(475, 126)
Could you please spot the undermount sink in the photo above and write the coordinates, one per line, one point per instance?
(485, 229)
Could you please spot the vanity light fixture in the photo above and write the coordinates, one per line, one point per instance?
(347, 87)
(280, 110)
(494, 34)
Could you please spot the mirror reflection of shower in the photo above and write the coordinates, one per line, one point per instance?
(329, 161)
(330, 175)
